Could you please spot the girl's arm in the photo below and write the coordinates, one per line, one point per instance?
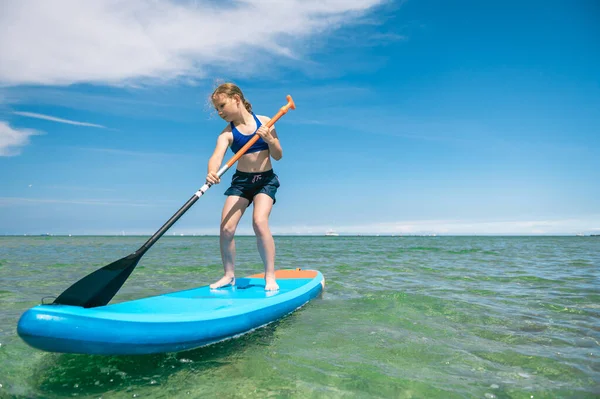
(214, 162)
(270, 137)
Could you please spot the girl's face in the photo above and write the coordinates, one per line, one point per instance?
(227, 107)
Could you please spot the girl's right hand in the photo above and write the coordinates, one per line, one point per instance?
(212, 178)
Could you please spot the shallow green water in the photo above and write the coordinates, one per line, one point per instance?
(401, 317)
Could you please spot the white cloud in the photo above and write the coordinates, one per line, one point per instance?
(59, 120)
(423, 227)
(11, 140)
(119, 41)
(456, 227)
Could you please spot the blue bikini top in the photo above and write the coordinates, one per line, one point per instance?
(239, 139)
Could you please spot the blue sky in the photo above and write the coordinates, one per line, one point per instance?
(414, 117)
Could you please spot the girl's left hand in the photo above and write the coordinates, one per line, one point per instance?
(266, 134)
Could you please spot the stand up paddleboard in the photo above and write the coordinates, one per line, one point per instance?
(171, 322)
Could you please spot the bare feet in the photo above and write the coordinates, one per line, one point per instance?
(223, 282)
(271, 284)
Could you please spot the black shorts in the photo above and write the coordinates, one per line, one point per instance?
(247, 185)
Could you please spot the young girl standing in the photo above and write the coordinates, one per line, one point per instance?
(253, 181)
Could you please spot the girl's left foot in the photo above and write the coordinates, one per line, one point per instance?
(271, 284)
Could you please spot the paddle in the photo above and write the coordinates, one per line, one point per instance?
(99, 287)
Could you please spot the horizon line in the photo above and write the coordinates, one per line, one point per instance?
(433, 235)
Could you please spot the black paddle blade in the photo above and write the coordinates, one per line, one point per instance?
(98, 288)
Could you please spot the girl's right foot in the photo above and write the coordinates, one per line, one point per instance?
(223, 282)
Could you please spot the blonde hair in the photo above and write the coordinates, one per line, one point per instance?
(230, 90)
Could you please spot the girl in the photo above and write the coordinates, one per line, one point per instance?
(253, 181)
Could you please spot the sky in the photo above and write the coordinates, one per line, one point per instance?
(413, 117)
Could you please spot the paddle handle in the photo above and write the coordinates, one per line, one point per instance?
(282, 111)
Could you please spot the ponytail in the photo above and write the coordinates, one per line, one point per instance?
(247, 105)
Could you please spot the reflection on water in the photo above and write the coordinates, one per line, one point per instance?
(59, 375)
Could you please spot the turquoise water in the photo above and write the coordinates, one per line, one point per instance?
(401, 317)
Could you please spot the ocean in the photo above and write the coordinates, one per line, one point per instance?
(400, 317)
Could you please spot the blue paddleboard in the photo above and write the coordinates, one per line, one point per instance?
(170, 322)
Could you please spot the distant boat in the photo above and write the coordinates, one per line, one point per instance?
(331, 233)
(580, 235)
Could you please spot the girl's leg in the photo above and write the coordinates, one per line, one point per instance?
(232, 213)
(264, 239)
